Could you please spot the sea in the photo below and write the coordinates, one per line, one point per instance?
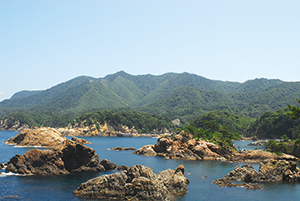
(200, 173)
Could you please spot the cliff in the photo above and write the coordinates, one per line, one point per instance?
(12, 125)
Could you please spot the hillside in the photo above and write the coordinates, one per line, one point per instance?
(173, 95)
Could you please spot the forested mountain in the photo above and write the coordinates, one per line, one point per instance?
(173, 95)
(273, 125)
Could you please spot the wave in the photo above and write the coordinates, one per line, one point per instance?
(43, 147)
(4, 174)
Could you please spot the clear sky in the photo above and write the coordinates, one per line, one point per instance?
(46, 42)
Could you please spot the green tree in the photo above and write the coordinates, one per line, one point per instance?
(294, 111)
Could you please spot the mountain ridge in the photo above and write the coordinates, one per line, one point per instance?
(158, 94)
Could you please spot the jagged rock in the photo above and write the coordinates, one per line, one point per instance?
(108, 165)
(69, 157)
(122, 167)
(1, 166)
(229, 183)
(269, 171)
(80, 140)
(183, 146)
(136, 183)
(45, 137)
(146, 150)
(122, 149)
(258, 143)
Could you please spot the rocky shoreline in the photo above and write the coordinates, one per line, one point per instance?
(84, 130)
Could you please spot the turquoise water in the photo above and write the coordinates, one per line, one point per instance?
(200, 173)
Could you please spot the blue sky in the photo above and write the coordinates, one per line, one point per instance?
(46, 42)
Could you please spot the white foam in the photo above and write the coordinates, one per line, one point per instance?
(17, 146)
(4, 174)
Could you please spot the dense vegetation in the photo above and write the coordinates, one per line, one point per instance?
(286, 145)
(235, 123)
(273, 125)
(173, 95)
(37, 119)
(214, 133)
(142, 122)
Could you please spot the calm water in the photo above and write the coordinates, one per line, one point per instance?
(200, 173)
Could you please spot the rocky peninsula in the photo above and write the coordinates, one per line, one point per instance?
(184, 146)
(269, 171)
(136, 183)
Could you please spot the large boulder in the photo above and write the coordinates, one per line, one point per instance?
(146, 150)
(136, 183)
(69, 157)
(45, 162)
(44, 137)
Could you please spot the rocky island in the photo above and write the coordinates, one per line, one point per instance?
(184, 146)
(68, 157)
(42, 137)
(269, 171)
(136, 183)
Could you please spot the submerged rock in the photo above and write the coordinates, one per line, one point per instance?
(45, 137)
(269, 171)
(136, 183)
(69, 157)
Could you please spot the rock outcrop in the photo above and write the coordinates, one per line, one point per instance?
(69, 157)
(12, 125)
(122, 149)
(269, 171)
(44, 137)
(256, 156)
(258, 143)
(147, 150)
(183, 146)
(83, 129)
(80, 140)
(136, 183)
